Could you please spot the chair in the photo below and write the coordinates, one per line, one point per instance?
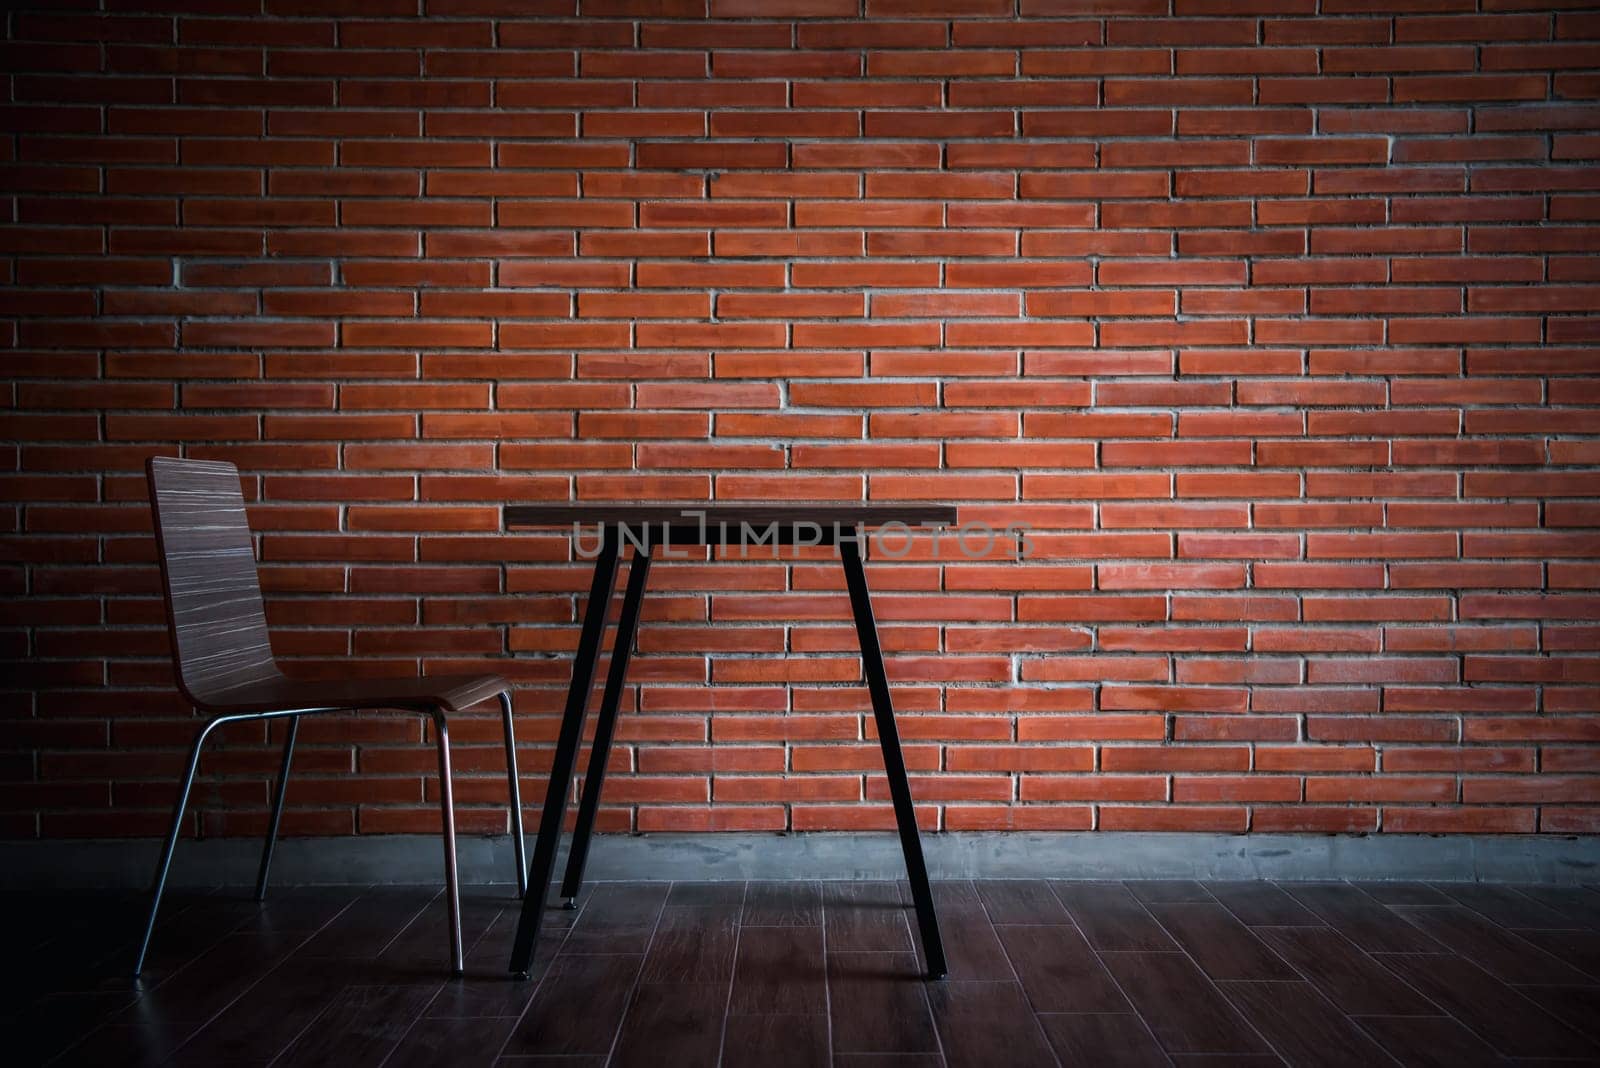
(225, 667)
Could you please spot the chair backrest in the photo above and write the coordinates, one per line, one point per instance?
(208, 572)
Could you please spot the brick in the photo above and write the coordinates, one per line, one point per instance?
(1191, 818)
(1322, 151)
(1098, 122)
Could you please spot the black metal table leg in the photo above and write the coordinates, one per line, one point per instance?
(893, 761)
(605, 726)
(555, 799)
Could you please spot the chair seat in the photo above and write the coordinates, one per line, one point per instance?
(451, 692)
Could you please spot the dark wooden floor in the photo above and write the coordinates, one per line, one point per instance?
(774, 974)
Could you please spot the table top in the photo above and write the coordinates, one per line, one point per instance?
(712, 513)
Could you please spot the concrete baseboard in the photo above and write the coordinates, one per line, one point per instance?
(418, 858)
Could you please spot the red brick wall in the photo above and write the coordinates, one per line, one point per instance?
(1275, 321)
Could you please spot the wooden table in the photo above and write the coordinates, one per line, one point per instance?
(648, 527)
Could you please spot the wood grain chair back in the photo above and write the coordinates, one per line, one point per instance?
(215, 616)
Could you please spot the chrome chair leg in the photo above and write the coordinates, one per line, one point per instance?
(165, 863)
(518, 842)
(447, 806)
(277, 809)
